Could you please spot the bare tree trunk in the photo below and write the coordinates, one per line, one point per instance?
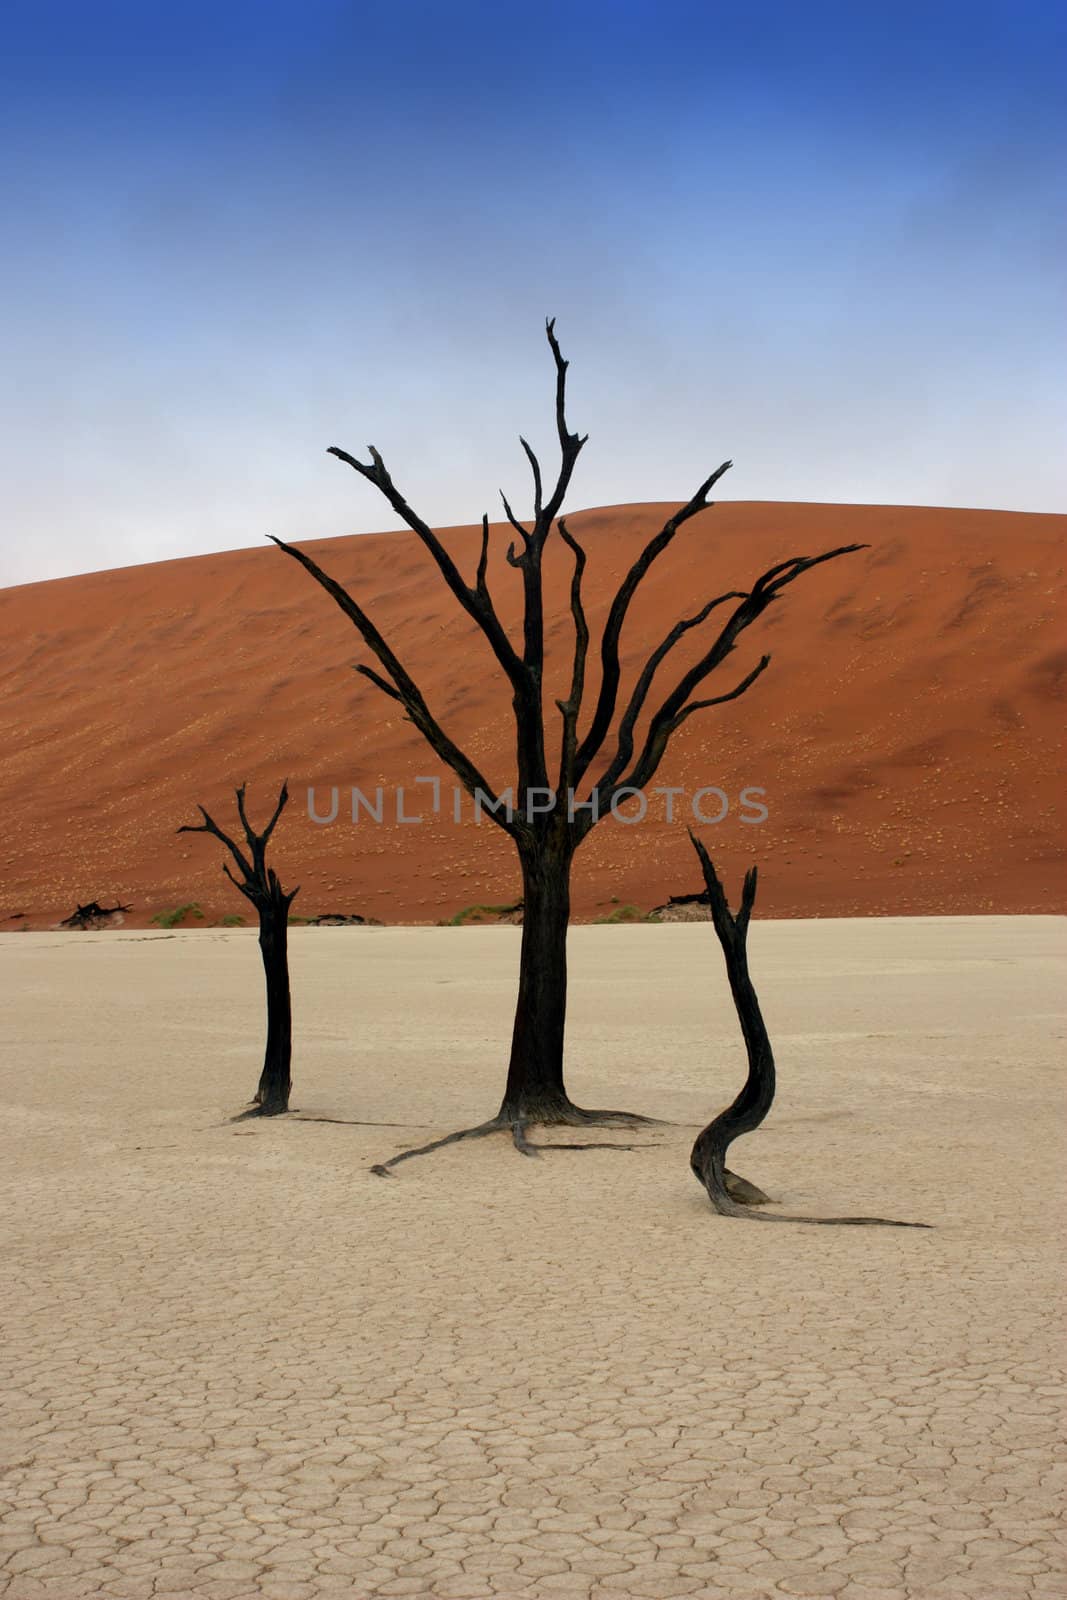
(259, 884)
(534, 1091)
(272, 1096)
(708, 1159)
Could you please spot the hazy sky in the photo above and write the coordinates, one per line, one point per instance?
(824, 239)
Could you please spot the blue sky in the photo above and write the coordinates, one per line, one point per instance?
(824, 239)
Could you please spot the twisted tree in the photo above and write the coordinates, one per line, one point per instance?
(708, 1158)
(259, 884)
(546, 836)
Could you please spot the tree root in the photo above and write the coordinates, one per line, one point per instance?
(383, 1168)
(741, 1191)
(257, 1110)
(578, 1117)
(297, 1115)
(726, 1206)
(569, 1116)
(520, 1141)
(573, 1146)
(356, 1122)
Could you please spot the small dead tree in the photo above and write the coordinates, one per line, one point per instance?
(93, 916)
(551, 823)
(730, 1196)
(259, 884)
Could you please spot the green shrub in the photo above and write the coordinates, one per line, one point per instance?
(174, 919)
(623, 914)
(476, 913)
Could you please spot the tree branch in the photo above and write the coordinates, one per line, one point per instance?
(245, 888)
(620, 605)
(258, 882)
(535, 468)
(765, 590)
(250, 834)
(283, 801)
(408, 691)
(570, 707)
(480, 582)
(380, 683)
(473, 601)
(523, 671)
(728, 927)
(209, 825)
(721, 699)
(528, 706)
(515, 523)
(607, 789)
(569, 443)
(644, 683)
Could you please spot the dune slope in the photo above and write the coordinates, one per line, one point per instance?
(906, 734)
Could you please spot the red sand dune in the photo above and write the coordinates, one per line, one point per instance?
(906, 732)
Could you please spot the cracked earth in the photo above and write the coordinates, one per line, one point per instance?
(236, 1364)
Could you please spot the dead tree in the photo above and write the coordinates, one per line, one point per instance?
(546, 839)
(729, 1195)
(259, 884)
(93, 915)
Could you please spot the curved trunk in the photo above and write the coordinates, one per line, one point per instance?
(272, 1096)
(708, 1158)
(534, 1091)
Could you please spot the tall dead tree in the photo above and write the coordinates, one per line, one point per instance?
(728, 1194)
(546, 840)
(259, 884)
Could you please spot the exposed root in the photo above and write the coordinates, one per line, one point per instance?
(745, 1193)
(355, 1122)
(557, 1116)
(520, 1141)
(579, 1117)
(383, 1168)
(571, 1146)
(257, 1110)
(726, 1207)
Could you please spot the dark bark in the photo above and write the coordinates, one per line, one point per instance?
(275, 1082)
(708, 1158)
(534, 1091)
(259, 884)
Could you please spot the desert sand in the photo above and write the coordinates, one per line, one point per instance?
(908, 733)
(238, 1365)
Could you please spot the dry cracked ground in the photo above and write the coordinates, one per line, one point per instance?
(238, 1365)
